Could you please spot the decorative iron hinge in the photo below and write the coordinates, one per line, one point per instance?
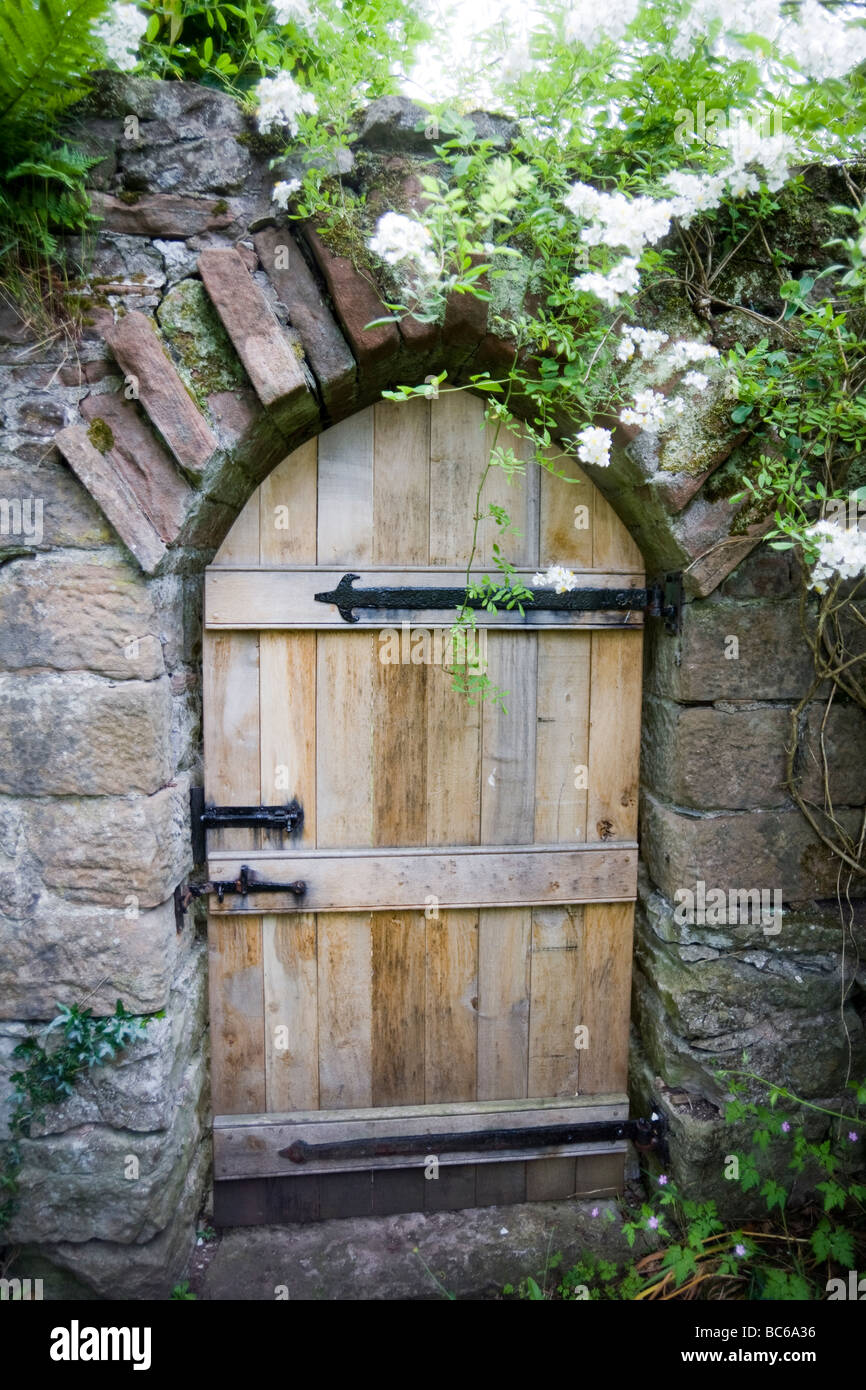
(646, 1135)
(661, 600)
(242, 885)
(289, 819)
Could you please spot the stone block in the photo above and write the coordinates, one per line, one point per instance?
(69, 515)
(772, 849)
(356, 304)
(166, 214)
(109, 488)
(82, 735)
(707, 758)
(72, 613)
(324, 345)
(101, 849)
(58, 952)
(131, 447)
(772, 661)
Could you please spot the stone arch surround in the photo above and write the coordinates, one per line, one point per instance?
(235, 355)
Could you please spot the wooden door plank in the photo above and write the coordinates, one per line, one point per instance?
(451, 1043)
(345, 506)
(562, 738)
(398, 1007)
(508, 741)
(458, 457)
(612, 542)
(231, 730)
(291, 1012)
(345, 980)
(237, 1016)
(567, 515)
(288, 509)
(519, 499)
(604, 993)
(286, 598)
(553, 1015)
(614, 736)
(504, 1184)
(399, 765)
(241, 544)
(287, 713)
(453, 764)
(503, 1002)
(395, 880)
(401, 482)
(344, 741)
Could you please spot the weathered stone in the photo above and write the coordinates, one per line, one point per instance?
(59, 952)
(199, 344)
(167, 214)
(765, 574)
(67, 613)
(261, 343)
(147, 1270)
(396, 123)
(135, 1090)
(773, 661)
(325, 347)
(110, 489)
(137, 845)
(772, 849)
(120, 264)
(140, 353)
(357, 304)
(178, 259)
(81, 735)
(703, 757)
(135, 452)
(76, 1186)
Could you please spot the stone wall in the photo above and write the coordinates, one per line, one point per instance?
(217, 338)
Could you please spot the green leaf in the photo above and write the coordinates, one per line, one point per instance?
(741, 413)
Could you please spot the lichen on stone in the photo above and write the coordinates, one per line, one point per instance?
(100, 435)
(198, 343)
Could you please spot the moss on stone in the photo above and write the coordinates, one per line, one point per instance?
(100, 435)
(130, 196)
(219, 207)
(200, 346)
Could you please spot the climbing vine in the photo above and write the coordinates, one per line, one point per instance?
(53, 1061)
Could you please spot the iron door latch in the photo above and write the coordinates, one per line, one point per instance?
(242, 885)
(662, 599)
(289, 819)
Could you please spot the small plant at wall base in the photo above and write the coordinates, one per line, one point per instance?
(813, 1235)
(54, 1058)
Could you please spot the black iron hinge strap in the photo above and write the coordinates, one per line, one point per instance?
(645, 1134)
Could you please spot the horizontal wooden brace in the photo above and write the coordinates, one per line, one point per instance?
(248, 1146)
(285, 598)
(364, 880)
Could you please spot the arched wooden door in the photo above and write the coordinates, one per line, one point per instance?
(461, 958)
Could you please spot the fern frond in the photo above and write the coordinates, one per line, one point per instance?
(47, 48)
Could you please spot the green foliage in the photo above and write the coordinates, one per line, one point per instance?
(48, 48)
(182, 1292)
(72, 1043)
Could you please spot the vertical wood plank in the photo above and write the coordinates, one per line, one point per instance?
(401, 482)
(237, 1015)
(231, 730)
(290, 1003)
(344, 739)
(553, 1014)
(345, 507)
(503, 1002)
(398, 1008)
(400, 749)
(288, 508)
(453, 764)
(241, 544)
(612, 544)
(458, 456)
(614, 735)
(345, 983)
(451, 1044)
(605, 995)
(518, 498)
(287, 713)
(567, 515)
(508, 741)
(562, 739)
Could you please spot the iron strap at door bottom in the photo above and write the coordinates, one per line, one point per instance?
(647, 1135)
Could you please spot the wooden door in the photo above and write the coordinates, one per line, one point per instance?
(461, 959)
